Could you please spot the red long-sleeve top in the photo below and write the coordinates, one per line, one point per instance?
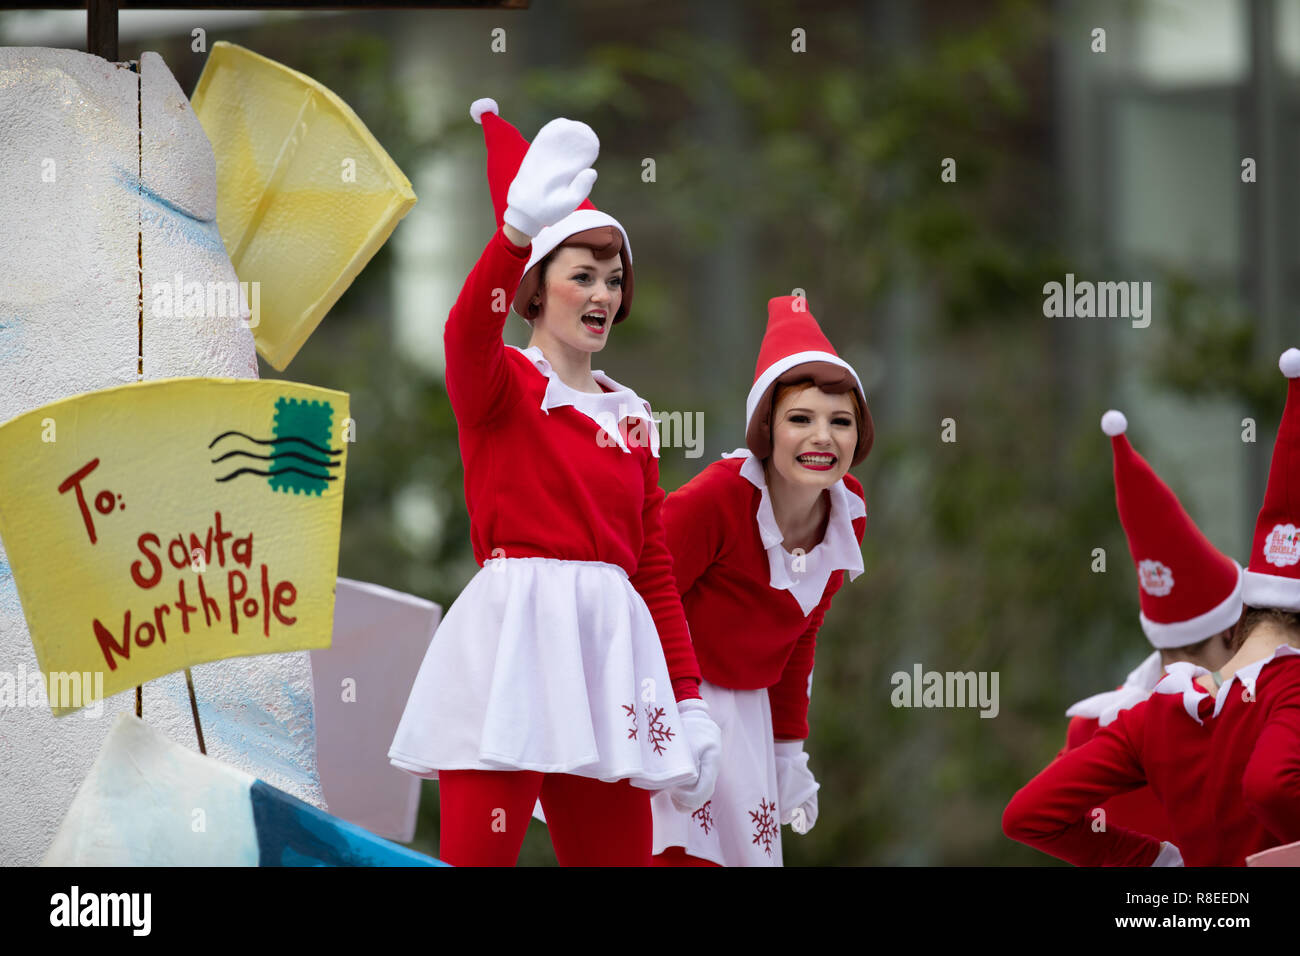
(1231, 784)
(1136, 810)
(747, 634)
(542, 483)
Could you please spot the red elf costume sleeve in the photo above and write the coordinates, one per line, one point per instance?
(479, 382)
(1052, 812)
(790, 695)
(1271, 783)
(655, 583)
(695, 536)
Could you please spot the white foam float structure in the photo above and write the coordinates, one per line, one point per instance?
(101, 169)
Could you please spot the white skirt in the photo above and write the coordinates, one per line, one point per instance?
(546, 665)
(740, 825)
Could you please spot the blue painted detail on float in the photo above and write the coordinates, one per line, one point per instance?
(293, 833)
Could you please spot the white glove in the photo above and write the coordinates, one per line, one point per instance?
(1169, 855)
(705, 739)
(796, 788)
(554, 177)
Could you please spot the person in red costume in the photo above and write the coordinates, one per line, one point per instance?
(1221, 749)
(564, 671)
(761, 542)
(1190, 595)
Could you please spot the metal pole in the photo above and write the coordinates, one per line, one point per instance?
(101, 28)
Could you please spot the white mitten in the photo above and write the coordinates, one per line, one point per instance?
(795, 785)
(554, 177)
(705, 739)
(1169, 855)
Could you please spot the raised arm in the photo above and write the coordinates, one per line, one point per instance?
(553, 179)
(478, 379)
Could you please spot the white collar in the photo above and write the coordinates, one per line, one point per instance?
(606, 409)
(838, 551)
(1137, 687)
(1180, 678)
(1249, 675)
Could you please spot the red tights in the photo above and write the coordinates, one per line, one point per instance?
(485, 814)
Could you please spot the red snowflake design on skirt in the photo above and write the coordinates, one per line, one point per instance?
(660, 733)
(704, 816)
(765, 831)
(631, 712)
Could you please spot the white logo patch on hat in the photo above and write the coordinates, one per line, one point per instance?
(1282, 546)
(1156, 579)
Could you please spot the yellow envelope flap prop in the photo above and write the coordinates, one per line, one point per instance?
(305, 194)
(154, 526)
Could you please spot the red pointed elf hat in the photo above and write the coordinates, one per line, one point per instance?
(586, 226)
(1188, 589)
(794, 349)
(1273, 578)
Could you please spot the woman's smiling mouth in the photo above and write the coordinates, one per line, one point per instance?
(817, 461)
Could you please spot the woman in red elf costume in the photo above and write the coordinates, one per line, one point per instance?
(564, 671)
(1190, 595)
(761, 541)
(1221, 749)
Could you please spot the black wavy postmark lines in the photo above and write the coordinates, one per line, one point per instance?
(316, 457)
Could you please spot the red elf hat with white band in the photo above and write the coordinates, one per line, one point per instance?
(586, 226)
(1188, 589)
(1273, 578)
(795, 349)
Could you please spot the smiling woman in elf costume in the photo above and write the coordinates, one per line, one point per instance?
(564, 671)
(761, 541)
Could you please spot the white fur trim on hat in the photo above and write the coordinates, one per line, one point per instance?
(777, 369)
(1194, 630)
(481, 106)
(1114, 423)
(1271, 590)
(1289, 363)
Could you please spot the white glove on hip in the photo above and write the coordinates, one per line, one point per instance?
(795, 785)
(1169, 855)
(554, 177)
(705, 739)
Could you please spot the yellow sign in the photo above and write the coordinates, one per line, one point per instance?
(159, 525)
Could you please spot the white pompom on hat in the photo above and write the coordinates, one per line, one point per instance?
(484, 105)
(1289, 363)
(1114, 423)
